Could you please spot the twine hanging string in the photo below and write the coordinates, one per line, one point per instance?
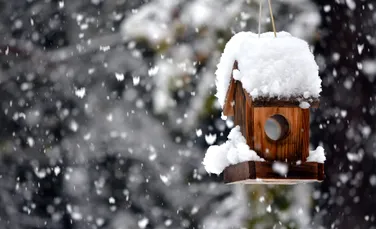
(272, 17)
(259, 22)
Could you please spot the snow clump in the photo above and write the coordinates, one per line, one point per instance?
(281, 67)
(317, 155)
(235, 150)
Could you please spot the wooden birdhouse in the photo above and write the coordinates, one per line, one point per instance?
(267, 85)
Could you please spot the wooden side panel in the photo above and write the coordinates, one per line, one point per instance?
(295, 146)
(249, 120)
(228, 108)
(242, 171)
(320, 171)
(305, 134)
(240, 108)
(243, 113)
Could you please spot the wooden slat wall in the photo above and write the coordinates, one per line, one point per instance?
(243, 114)
(239, 108)
(305, 135)
(228, 108)
(295, 146)
(249, 120)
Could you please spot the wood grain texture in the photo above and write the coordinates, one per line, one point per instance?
(304, 134)
(239, 172)
(262, 172)
(249, 121)
(243, 114)
(239, 108)
(294, 147)
(228, 107)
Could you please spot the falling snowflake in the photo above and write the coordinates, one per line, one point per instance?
(143, 223)
(119, 76)
(80, 92)
(136, 80)
(210, 138)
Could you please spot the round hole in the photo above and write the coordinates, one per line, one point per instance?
(276, 127)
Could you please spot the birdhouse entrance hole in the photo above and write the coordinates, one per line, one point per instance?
(276, 127)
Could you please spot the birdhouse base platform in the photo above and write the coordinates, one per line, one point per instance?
(261, 172)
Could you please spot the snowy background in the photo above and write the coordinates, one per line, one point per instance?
(107, 109)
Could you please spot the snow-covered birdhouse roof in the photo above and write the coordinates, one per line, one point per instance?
(281, 68)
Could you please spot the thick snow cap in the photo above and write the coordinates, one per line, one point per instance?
(269, 67)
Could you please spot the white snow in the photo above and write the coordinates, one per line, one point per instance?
(57, 170)
(351, 4)
(164, 179)
(136, 80)
(143, 223)
(327, 8)
(30, 141)
(99, 221)
(210, 138)
(104, 48)
(360, 48)
(305, 24)
(233, 151)
(317, 155)
(357, 157)
(198, 132)
(372, 180)
(369, 68)
(109, 117)
(280, 168)
(280, 67)
(111, 200)
(204, 13)
(152, 21)
(119, 76)
(236, 74)
(168, 222)
(304, 105)
(80, 92)
(73, 126)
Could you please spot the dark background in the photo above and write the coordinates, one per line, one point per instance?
(124, 157)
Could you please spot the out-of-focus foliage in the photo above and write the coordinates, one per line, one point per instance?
(105, 105)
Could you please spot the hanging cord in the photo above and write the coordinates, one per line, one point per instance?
(271, 16)
(259, 25)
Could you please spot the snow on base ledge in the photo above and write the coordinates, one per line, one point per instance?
(317, 155)
(233, 151)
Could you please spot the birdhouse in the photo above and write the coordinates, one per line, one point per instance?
(267, 85)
